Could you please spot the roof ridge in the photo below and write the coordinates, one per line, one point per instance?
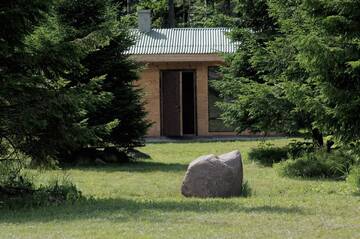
(195, 28)
(189, 28)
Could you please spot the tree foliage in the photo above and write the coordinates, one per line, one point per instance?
(253, 99)
(297, 68)
(61, 66)
(329, 52)
(66, 84)
(187, 13)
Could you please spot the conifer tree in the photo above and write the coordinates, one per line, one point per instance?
(251, 99)
(50, 91)
(297, 67)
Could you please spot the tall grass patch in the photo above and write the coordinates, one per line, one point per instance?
(354, 178)
(246, 190)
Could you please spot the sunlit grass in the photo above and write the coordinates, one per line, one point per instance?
(143, 200)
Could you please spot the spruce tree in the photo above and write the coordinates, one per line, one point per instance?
(251, 99)
(51, 95)
(296, 68)
(329, 51)
(34, 104)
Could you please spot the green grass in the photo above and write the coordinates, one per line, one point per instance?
(143, 200)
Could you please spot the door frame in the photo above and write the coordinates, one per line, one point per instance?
(180, 71)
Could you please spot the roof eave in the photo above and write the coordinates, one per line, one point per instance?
(213, 57)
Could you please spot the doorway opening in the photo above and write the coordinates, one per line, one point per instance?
(188, 103)
(178, 103)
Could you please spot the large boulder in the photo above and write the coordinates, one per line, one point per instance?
(214, 176)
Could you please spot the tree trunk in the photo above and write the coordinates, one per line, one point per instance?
(317, 138)
(128, 6)
(184, 13)
(329, 144)
(209, 3)
(171, 16)
(227, 6)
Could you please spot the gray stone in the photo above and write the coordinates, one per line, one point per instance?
(214, 176)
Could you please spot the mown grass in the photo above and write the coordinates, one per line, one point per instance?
(143, 200)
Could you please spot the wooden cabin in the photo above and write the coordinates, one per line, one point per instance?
(180, 64)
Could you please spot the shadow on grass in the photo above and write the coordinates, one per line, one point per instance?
(129, 209)
(140, 166)
(314, 179)
(211, 139)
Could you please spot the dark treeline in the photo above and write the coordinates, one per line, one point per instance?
(183, 13)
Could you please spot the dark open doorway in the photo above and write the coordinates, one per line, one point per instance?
(178, 103)
(188, 102)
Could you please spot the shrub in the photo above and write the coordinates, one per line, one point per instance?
(57, 193)
(307, 166)
(12, 175)
(319, 164)
(18, 190)
(298, 149)
(342, 161)
(15, 187)
(27, 195)
(354, 178)
(267, 154)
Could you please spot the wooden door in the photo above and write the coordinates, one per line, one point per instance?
(171, 103)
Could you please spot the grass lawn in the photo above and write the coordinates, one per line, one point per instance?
(143, 200)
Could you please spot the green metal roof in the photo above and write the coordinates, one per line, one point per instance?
(182, 41)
